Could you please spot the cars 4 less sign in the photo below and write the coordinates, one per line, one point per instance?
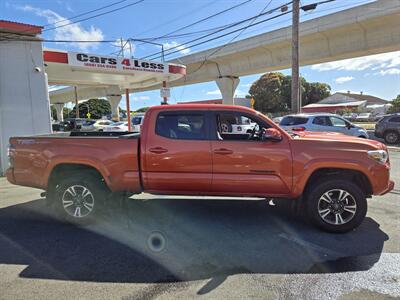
(119, 64)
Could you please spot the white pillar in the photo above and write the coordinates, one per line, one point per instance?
(24, 101)
(114, 102)
(59, 108)
(227, 85)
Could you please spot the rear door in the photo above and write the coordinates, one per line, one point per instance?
(321, 123)
(177, 154)
(243, 163)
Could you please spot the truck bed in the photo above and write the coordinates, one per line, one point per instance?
(114, 154)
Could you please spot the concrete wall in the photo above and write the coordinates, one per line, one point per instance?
(24, 101)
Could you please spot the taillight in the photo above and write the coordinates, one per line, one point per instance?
(11, 154)
(298, 129)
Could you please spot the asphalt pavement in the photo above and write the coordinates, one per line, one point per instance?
(188, 247)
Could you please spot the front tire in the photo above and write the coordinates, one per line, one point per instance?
(336, 205)
(79, 198)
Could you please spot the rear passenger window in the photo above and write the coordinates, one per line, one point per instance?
(182, 126)
(322, 121)
(290, 121)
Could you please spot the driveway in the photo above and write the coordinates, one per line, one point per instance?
(185, 247)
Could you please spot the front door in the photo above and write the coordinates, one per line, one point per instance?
(177, 157)
(244, 163)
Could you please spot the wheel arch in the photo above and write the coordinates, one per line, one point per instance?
(355, 176)
(63, 169)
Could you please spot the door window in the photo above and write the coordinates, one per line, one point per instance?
(395, 120)
(337, 122)
(322, 121)
(236, 126)
(181, 126)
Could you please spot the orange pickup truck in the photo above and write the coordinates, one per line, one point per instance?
(192, 150)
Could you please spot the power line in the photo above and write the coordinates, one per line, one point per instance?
(219, 48)
(95, 16)
(244, 29)
(82, 14)
(220, 30)
(228, 33)
(86, 13)
(204, 19)
(177, 18)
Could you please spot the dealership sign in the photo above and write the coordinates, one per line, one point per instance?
(119, 64)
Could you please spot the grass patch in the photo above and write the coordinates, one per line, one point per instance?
(365, 125)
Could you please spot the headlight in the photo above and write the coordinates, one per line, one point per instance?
(380, 156)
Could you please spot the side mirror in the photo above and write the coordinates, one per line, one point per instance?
(272, 134)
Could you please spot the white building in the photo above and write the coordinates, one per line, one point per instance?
(24, 99)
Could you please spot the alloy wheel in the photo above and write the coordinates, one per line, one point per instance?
(337, 207)
(78, 201)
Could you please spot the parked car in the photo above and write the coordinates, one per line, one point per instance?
(364, 117)
(322, 122)
(117, 127)
(137, 122)
(388, 128)
(232, 124)
(277, 120)
(88, 125)
(350, 117)
(377, 117)
(96, 125)
(71, 124)
(183, 150)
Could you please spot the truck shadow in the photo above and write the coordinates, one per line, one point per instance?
(169, 240)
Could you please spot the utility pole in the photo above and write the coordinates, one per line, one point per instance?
(295, 57)
(76, 103)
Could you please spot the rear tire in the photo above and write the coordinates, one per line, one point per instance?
(391, 137)
(336, 205)
(78, 198)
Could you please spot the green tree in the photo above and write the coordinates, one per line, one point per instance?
(142, 109)
(395, 105)
(97, 109)
(267, 93)
(272, 92)
(314, 92)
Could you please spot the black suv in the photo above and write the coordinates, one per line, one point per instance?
(388, 128)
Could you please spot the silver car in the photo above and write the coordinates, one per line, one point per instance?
(322, 122)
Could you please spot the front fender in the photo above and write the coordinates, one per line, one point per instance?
(301, 178)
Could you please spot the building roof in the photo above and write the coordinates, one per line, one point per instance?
(28, 29)
(370, 99)
(345, 104)
(340, 97)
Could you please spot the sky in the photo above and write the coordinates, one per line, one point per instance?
(377, 75)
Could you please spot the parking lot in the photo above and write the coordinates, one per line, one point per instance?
(182, 247)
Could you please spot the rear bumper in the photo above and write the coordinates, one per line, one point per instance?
(10, 175)
(389, 187)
